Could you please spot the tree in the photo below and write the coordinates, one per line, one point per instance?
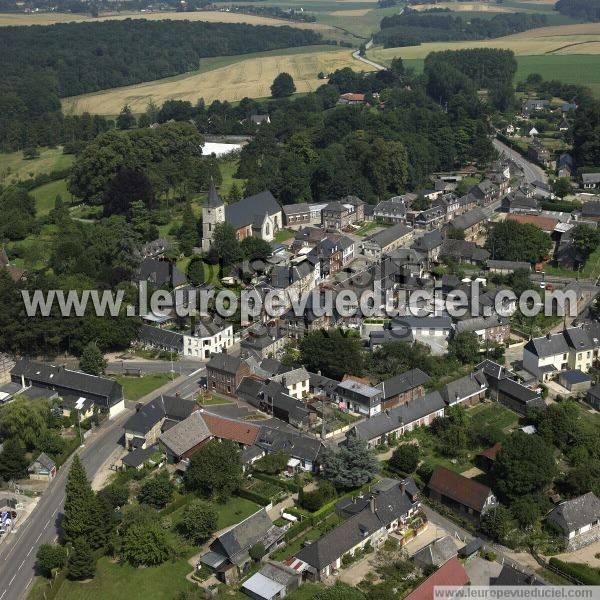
(127, 186)
(340, 591)
(496, 523)
(81, 562)
(157, 491)
(282, 86)
(405, 458)
(202, 477)
(272, 464)
(350, 466)
(235, 195)
(585, 239)
(116, 494)
(465, 347)
(145, 543)
(509, 240)
(334, 352)
(257, 551)
(49, 558)
(13, 464)
(31, 153)
(23, 420)
(255, 248)
(92, 360)
(80, 511)
(526, 511)
(195, 270)
(187, 236)
(198, 521)
(125, 119)
(524, 465)
(562, 186)
(225, 247)
(559, 424)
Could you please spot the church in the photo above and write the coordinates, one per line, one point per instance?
(259, 215)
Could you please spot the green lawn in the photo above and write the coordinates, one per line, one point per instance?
(493, 414)
(233, 511)
(45, 195)
(135, 388)
(115, 581)
(213, 399)
(13, 167)
(228, 168)
(283, 234)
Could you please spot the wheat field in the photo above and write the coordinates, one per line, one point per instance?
(249, 77)
(209, 16)
(561, 39)
(469, 7)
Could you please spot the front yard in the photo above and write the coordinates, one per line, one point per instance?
(135, 388)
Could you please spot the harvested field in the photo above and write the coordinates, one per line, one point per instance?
(234, 79)
(357, 12)
(467, 7)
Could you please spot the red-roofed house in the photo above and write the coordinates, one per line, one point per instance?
(460, 493)
(450, 573)
(350, 98)
(546, 224)
(486, 458)
(230, 429)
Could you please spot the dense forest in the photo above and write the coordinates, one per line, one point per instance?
(40, 64)
(86, 57)
(588, 10)
(86, 7)
(412, 28)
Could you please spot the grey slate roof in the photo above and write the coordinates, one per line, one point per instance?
(161, 337)
(508, 264)
(466, 386)
(388, 235)
(392, 419)
(429, 241)
(403, 382)
(148, 415)
(59, 377)
(277, 436)
(46, 462)
(248, 210)
(335, 543)
(479, 323)
(224, 362)
(461, 249)
(591, 209)
(436, 553)
(549, 345)
(186, 434)
(470, 218)
(213, 197)
(160, 272)
(575, 514)
(140, 456)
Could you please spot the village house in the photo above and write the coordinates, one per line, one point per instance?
(144, 427)
(471, 223)
(403, 388)
(518, 397)
(467, 390)
(390, 424)
(451, 573)
(259, 119)
(186, 437)
(358, 397)
(273, 581)
(546, 224)
(519, 203)
(572, 348)
(229, 554)
(485, 192)
(224, 373)
(296, 215)
(343, 213)
(386, 241)
(351, 98)
(593, 396)
(506, 267)
(579, 520)
(430, 218)
(461, 494)
(105, 393)
(436, 553)
(262, 342)
(430, 245)
(430, 330)
(14, 272)
(390, 211)
(43, 468)
(538, 153)
(156, 248)
(487, 329)
(160, 273)
(372, 519)
(590, 211)
(590, 181)
(462, 251)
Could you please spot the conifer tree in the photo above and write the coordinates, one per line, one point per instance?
(81, 562)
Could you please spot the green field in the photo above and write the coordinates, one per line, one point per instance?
(493, 414)
(14, 168)
(45, 195)
(135, 388)
(580, 69)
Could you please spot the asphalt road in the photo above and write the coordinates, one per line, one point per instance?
(531, 171)
(180, 367)
(17, 554)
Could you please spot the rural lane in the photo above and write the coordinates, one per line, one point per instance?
(531, 171)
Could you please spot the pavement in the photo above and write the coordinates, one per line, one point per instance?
(17, 554)
(531, 171)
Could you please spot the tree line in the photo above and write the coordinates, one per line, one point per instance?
(587, 10)
(412, 27)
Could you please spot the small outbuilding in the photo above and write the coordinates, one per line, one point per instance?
(43, 468)
(575, 380)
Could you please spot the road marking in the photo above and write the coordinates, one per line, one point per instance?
(4, 592)
(30, 550)
(10, 582)
(38, 537)
(21, 565)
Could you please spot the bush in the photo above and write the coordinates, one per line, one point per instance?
(272, 463)
(145, 543)
(198, 521)
(581, 572)
(405, 458)
(257, 551)
(50, 557)
(157, 491)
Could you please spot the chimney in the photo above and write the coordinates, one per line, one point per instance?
(549, 336)
(372, 504)
(403, 487)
